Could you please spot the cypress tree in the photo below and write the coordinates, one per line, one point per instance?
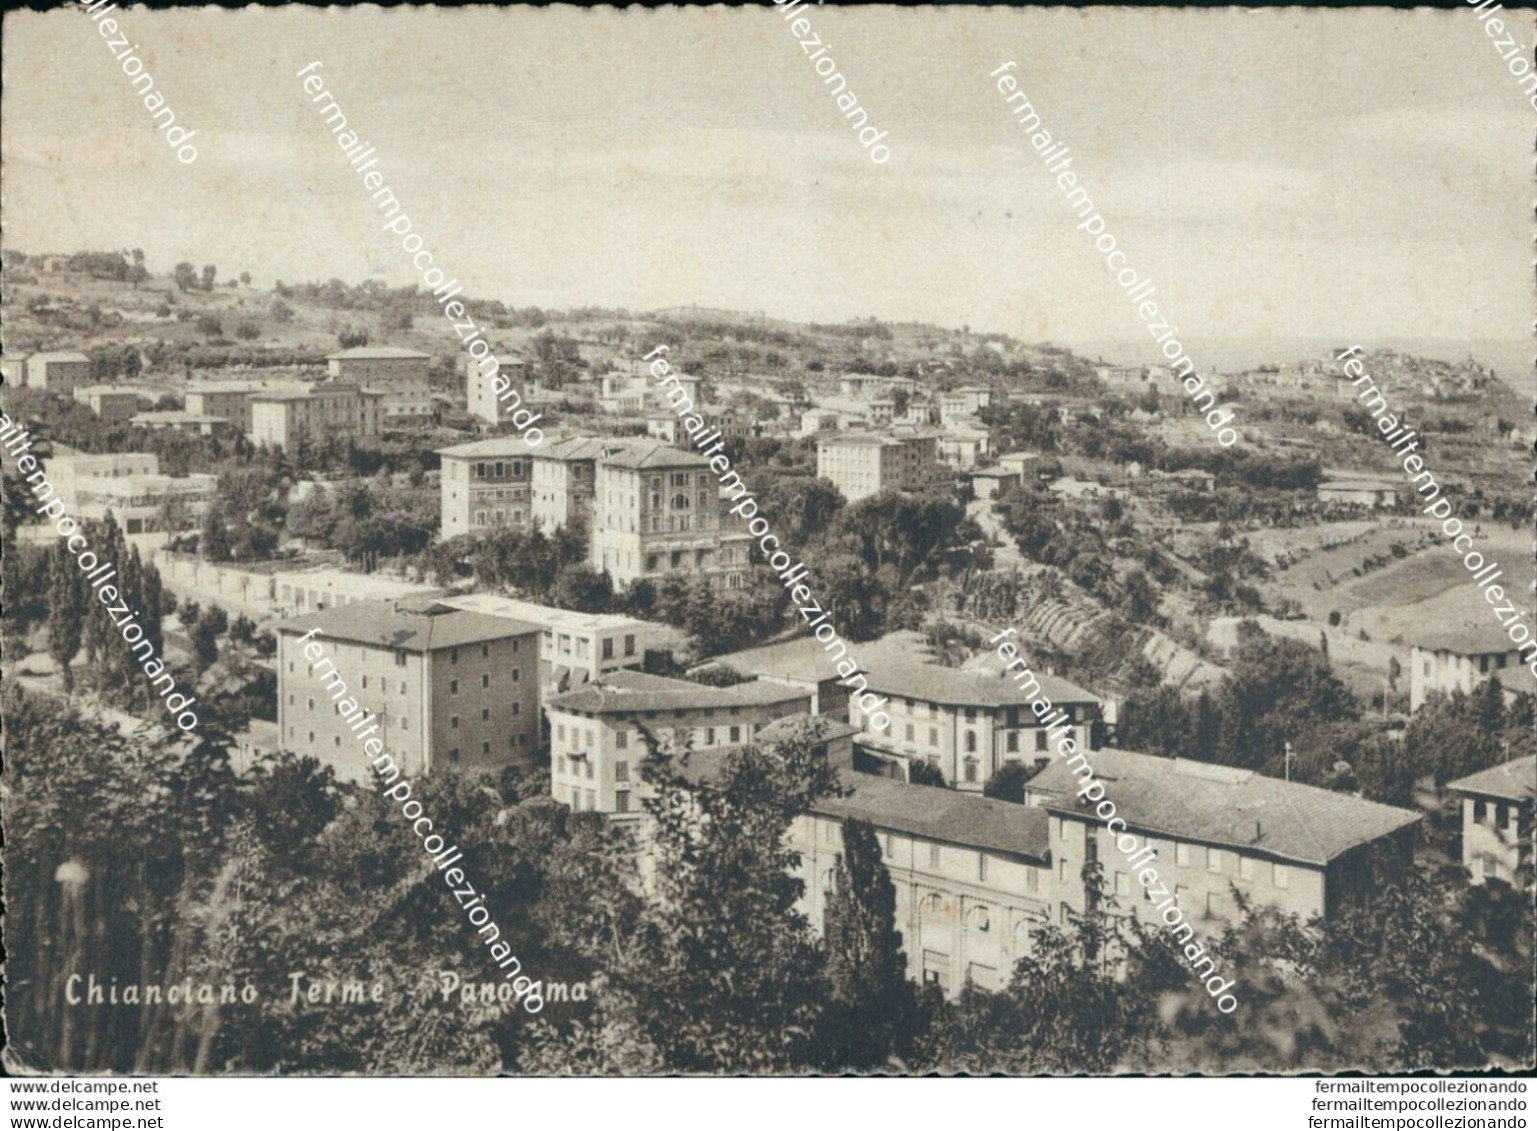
(871, 1004)
(66, 604)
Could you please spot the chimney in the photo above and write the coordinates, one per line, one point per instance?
(1259, 831)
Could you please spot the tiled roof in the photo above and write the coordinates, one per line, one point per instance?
(803, 658)
(577, 448)
(828, 728)
(626, 692)
(375, 353)
(496, 446)
(1223, 806)
(968, 688)
(1515, 780)
(410, 625)
(948, 815)
(645, 454)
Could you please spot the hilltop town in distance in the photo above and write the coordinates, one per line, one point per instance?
(1277, 666)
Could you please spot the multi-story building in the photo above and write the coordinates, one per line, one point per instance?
(232, 399)
(563, 479)
(668, 427)
(578, 648)
(388, 368)
(964, 447)
(861, 464)
(968, 723)
(480, 390)
(1457, 659)
(279, 417)
(140, 504)
(484, 485)
(963, 403)
(1498, 806)
(70, 471)
(656, 511)
(972, 875)
(407, 410)
(1215, 829)
(58, 372)
(447, 689)
(112, 404)
(598, 732)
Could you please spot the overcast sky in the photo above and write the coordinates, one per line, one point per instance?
(1281, 173)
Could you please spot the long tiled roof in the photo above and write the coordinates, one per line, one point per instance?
(968, 688)
(496, 446)
(625, 692)
(1515, 780)
(410, 625)
(1223, 806)
(644, 454)
(947, 815)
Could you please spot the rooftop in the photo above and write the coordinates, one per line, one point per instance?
(376, 353)
(645, 454)
(103, 391)
(409, 625)
(948, 815)
(56, 355)
(496, 446)
(1221, 805)
(1515, 780)
(306, 392)
(803, 658)
(626, 692)
(547, 616)
(968, 687)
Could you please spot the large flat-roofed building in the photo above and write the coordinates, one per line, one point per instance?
(657, 511)
(112, 404)
(139, 503)
(485, 485)
(389, 368)
(578, 648)
(446, 689)
(70, 471)
(1458, 659)
(969, 724)
(597, 741)
(58, 372)
(1214, 828)
(1498, 806)
(278, 418)
(861, 464)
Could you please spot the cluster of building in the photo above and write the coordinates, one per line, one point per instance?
(650, 508)
(461, 681)
(366, 391)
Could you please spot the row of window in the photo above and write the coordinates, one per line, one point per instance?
(499, 469)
